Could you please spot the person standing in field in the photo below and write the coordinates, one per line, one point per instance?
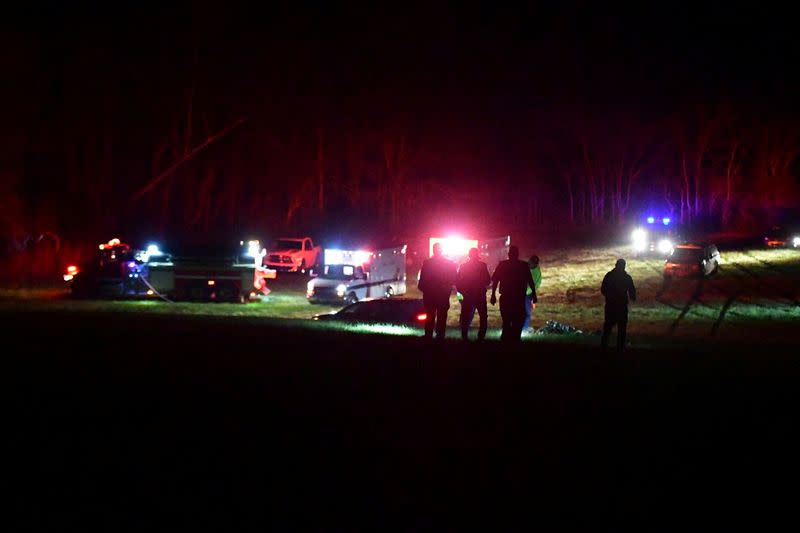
(472, 281)
(436, 279)
(514, 277)
(617, 288)
(530, 305)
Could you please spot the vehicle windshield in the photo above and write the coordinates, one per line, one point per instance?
(338, 272)
(285, 244)
(686, 256)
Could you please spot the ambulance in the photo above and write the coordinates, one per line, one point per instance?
(348, 276)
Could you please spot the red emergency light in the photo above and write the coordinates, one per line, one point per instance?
(453, 246)
(71, 271)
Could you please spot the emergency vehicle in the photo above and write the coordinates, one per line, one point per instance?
(348, 276)
(116, 270)
(455, 248)
(218, 272)
(657, 236)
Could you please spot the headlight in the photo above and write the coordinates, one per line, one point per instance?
(341, 289)
(664, 246)
(639, 238)
(796, 242)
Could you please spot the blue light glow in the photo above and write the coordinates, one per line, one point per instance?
(650, 220)
(666, 221)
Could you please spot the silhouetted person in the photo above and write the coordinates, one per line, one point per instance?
(514, 277)
(536, 274)
(472, 281)
(617, 288)
(436, 280)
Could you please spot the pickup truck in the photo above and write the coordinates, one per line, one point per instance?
(292, 254)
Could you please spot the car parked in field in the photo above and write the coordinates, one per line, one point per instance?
(692, 260)
(782, 237)
(396, 311)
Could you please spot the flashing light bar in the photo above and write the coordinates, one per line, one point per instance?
(334, 256)
(666, 221)
(651, 220)
(453, 246)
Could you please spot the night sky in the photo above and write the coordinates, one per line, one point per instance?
(484, 100)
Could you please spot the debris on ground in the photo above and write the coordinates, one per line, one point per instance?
(555, 327)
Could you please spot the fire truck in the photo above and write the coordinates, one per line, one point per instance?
(115, 270)
(217, 272)
(348, 276)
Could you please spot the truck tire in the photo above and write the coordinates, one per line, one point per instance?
(351, 298)
(389, 291)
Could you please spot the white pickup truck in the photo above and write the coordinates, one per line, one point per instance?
(292, 254)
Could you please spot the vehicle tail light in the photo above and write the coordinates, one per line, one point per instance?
(422, 317)
(211, 283)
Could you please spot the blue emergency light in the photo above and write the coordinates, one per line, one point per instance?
(666, 221)
(650, 220)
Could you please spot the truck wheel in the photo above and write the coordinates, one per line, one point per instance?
(303, 266)
(351, 298)
(389, 292)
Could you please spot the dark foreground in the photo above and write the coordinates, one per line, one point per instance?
(143, 423)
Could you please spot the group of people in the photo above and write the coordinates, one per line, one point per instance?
(517, 282)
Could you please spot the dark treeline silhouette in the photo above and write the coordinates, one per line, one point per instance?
(157, 120)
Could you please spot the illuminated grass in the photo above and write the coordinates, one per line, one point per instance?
(759, 291)
(273, 306)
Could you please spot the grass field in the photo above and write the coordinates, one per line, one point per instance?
(146, 415)
(754, 290)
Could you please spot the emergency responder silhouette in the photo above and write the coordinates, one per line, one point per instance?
(536, 274)
(436, 279)
(617, 288)
(472, 281)
(514, 277)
